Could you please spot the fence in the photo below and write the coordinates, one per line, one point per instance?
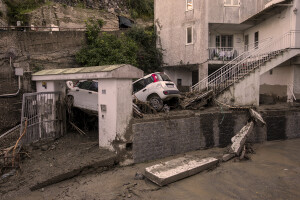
(44, 114)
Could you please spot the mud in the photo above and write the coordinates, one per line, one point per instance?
(50, 162)
(272, 173)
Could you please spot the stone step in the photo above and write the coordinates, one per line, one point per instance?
(179, 168)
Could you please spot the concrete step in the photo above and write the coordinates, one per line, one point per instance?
(176, 169)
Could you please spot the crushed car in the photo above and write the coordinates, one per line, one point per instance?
(155, 88)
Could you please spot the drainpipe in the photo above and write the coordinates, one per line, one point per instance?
(14, 94)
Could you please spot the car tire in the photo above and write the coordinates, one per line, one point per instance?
(156, 102)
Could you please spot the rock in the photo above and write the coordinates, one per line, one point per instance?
(129, 195)
(11, 173)
(44, 147)
(139, 176)
(240, 138)
(257, 116)
(227, 157)
(127, 162)
(176, 169)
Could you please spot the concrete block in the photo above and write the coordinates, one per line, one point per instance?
(257, 116)
(240, 138)
(176, 169)
(227, 157)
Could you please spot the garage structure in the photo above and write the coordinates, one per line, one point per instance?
(114, 94)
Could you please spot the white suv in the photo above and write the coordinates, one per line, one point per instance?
(155, 88)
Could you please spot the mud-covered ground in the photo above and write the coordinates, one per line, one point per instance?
(272, 173)
(52, 161)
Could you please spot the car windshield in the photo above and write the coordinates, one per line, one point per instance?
(163, 77)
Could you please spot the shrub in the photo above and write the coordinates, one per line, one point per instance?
(17, 9)
(141, 8)
(136, 47)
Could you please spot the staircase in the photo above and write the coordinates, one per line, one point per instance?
(274, 51)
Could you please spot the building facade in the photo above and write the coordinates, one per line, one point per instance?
(199, 37)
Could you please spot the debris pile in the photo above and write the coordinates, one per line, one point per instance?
(196, 100)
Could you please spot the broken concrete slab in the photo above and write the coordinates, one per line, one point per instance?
(176, 169)
(227, 157)
(240, 138)
(257, 117)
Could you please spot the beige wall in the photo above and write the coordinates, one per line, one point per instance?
(171, 20)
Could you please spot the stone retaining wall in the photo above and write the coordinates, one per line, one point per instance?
(162, 138)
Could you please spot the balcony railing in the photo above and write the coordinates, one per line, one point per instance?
(223, 53)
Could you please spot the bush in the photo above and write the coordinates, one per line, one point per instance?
(136, 47)
(141, 8)
(17, 9)
(107, 50)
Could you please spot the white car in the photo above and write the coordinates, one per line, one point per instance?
(84, 95)
(155, 88)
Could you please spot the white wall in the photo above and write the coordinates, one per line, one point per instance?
(245, 92)
(51, 86)
(273, 27)
(184, 75)
(277, 81)
(296, 84)
(171, 20)
(115, 95)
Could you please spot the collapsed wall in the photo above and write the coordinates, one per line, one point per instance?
(160, 138)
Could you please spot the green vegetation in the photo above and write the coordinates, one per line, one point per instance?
(18, 8)
(141, 8)
(136, 47)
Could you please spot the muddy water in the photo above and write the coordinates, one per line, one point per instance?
(272, 173)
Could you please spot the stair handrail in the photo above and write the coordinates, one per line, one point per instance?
(233, 72)
(231, 63)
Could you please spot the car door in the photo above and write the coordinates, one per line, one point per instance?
(140, 91)
(93, 96)
(81, 93)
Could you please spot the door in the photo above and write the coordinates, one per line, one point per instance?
(246, 42)
(81, 94)
(93, 96)
(256, 39)
(140, 91)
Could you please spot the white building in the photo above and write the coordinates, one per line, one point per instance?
(245, 50)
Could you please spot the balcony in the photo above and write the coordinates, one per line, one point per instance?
(223, 54)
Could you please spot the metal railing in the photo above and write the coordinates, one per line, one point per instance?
(50, 28)
(247, 62)
(203, 83)
(223, 53)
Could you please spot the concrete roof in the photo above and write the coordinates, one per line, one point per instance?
(84, 73)
(270, 9)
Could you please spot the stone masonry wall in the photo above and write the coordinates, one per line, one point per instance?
(158, 139)
(32, 51)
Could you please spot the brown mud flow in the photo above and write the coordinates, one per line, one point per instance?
(273, 172)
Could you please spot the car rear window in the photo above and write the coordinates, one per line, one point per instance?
(164, 77)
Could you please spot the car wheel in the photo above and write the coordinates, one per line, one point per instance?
(156, 102)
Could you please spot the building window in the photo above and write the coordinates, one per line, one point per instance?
(189, 5)
(179, 82)
(189, 35)
(224, 41)
(231, 2)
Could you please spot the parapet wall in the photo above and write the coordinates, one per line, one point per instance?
(166, 137)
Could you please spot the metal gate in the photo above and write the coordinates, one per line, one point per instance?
(44, 114)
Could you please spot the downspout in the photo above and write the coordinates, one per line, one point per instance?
(14, 94)
(19, 83)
